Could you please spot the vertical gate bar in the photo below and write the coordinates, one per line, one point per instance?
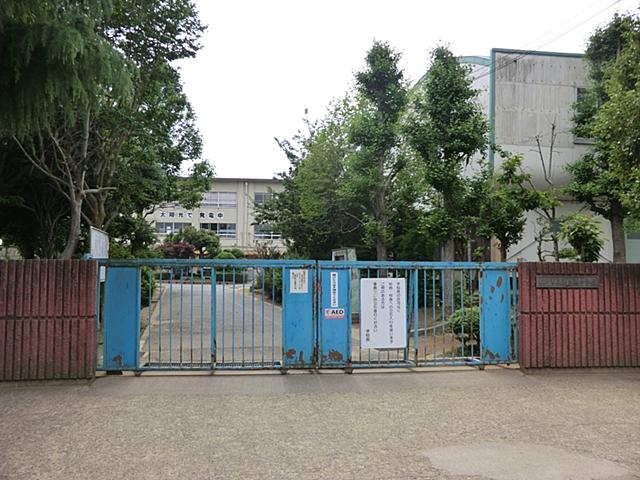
(433, 311)
(514, 329)
(171, 318)
(213, 325)
(233, 315)
(360, 325)
(472, 275)
(244, 272)
(416, 345)
(462, 282)
(160, 318)
(202, 278)
(149, 308)
(191, 322)
(424, 308)
(263, 275)
(181, 314)
(223, 308)
(273, 316)
(443, 282)
(253, 316)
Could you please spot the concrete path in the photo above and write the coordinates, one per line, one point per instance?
(445, 424)
(249, 326)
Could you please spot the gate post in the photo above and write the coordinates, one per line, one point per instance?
(121, 318)
(495, 315)
(298, 347)
(334, 316)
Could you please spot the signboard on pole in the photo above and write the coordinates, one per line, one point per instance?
(99, 247)
(383, 313)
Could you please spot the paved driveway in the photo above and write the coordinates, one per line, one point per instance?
(461, 424)
(248, 331)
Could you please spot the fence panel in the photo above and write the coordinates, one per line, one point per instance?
(47, 319)
(579, 315)
(446, 321)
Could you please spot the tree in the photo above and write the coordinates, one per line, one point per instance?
(310, 212)
(373, 167)
(595, 180)
(446, 127)
(113, 155)
(504, 202)
(205, 242)
(584, 235)
(617, 123)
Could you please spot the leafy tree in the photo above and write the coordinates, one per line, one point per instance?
(310, 212)
(505, 201)
(617, 124)
(595, 179)
(374, 131)
(446, 127)
(584, 235)
(204, 241)
(108, 154)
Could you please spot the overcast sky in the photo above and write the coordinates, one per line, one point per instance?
(264, 62)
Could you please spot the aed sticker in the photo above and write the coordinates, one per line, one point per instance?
(333, 313)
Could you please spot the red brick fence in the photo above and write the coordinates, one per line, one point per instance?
(570, 315)
(47, 319)
(579, 315)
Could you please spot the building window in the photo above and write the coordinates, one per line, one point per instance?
(167, 228)
(219, 199)
(224, 230)
(265, 231)
(262, 197)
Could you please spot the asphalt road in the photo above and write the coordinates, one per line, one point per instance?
(248, 330)
(463, 424)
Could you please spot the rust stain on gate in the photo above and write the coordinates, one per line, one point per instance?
(47, 319)
(575, 324)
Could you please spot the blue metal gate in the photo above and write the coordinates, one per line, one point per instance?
(279, 314)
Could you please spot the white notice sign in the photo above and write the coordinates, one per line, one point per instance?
(298, 281)
(383, 313)
(334, 289)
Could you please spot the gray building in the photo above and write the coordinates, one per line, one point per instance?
(524, 93)
(228, 209)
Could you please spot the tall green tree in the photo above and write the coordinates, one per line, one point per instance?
(310, 212)
(110, 154)
(617, 123)
(446, 127)
(595, 178)
(375, 134)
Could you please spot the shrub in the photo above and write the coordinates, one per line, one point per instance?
(584, 235)
(465, 324)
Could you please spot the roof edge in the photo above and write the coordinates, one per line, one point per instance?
(538, 52)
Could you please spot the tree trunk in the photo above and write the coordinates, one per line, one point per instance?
(503, 252)
(74, 229)
(618, 238)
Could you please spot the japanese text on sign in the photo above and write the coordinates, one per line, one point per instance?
(383, 316)
(334, 289)
(299, 281)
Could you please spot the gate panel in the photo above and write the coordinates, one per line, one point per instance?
(297, 318)
(335, 318)
(121, 318)
(495, 316)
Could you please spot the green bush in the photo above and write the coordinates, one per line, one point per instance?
(231, 275)
(237, 253)
(465, 324)
(584, 235)
(147, 278)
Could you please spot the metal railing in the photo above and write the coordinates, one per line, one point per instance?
(233, 314)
